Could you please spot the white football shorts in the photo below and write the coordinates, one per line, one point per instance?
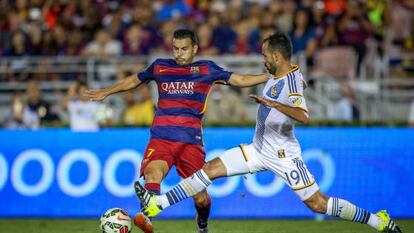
(246, 159)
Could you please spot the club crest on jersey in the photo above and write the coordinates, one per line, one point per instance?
(195, 69)
(181, 88)
(276, 89)
(281, 154)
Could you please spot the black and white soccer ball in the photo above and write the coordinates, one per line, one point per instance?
(115, 220)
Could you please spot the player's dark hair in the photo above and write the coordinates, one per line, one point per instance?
(280, 42)
(185, 33)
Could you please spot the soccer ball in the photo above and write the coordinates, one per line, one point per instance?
(115, 220)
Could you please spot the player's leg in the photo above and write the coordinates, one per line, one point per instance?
(154, 172)
(190, 160)
(154, 167)
(186, 188)
(302, 182)
(202, 202)
(337, 207)
(228, 164)
(295, 174)
(158, 160)
(232, 162)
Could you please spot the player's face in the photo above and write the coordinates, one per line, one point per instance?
(184, 51)
(269, 60)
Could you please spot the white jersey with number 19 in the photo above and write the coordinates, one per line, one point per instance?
(275, 146)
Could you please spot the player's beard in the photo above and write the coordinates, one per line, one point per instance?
(271, 68)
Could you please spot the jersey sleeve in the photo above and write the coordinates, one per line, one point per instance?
(296, 85)
(218, 74)
(147, 74)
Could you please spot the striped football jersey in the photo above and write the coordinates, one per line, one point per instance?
(182, 98)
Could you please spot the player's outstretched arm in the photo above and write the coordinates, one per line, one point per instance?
(128, 83)
(296, 113)
(247, 80)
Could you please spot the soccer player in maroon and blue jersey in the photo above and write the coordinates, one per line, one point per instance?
(176, 131)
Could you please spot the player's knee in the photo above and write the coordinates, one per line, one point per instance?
(153, 175)
(155, 171)
(209, 169)
(215, 169)
(318, 202)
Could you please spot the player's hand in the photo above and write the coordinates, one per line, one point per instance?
(95, 95)
(262, 100)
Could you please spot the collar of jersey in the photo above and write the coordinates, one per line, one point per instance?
(293, 69)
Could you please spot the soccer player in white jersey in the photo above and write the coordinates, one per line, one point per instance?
(274, 148)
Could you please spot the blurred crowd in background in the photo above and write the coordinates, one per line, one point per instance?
(142, 27)
(109, 28)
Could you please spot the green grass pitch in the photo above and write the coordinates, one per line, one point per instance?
(188, 226)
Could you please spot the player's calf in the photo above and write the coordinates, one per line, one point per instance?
(317, 208)
(203, 205)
